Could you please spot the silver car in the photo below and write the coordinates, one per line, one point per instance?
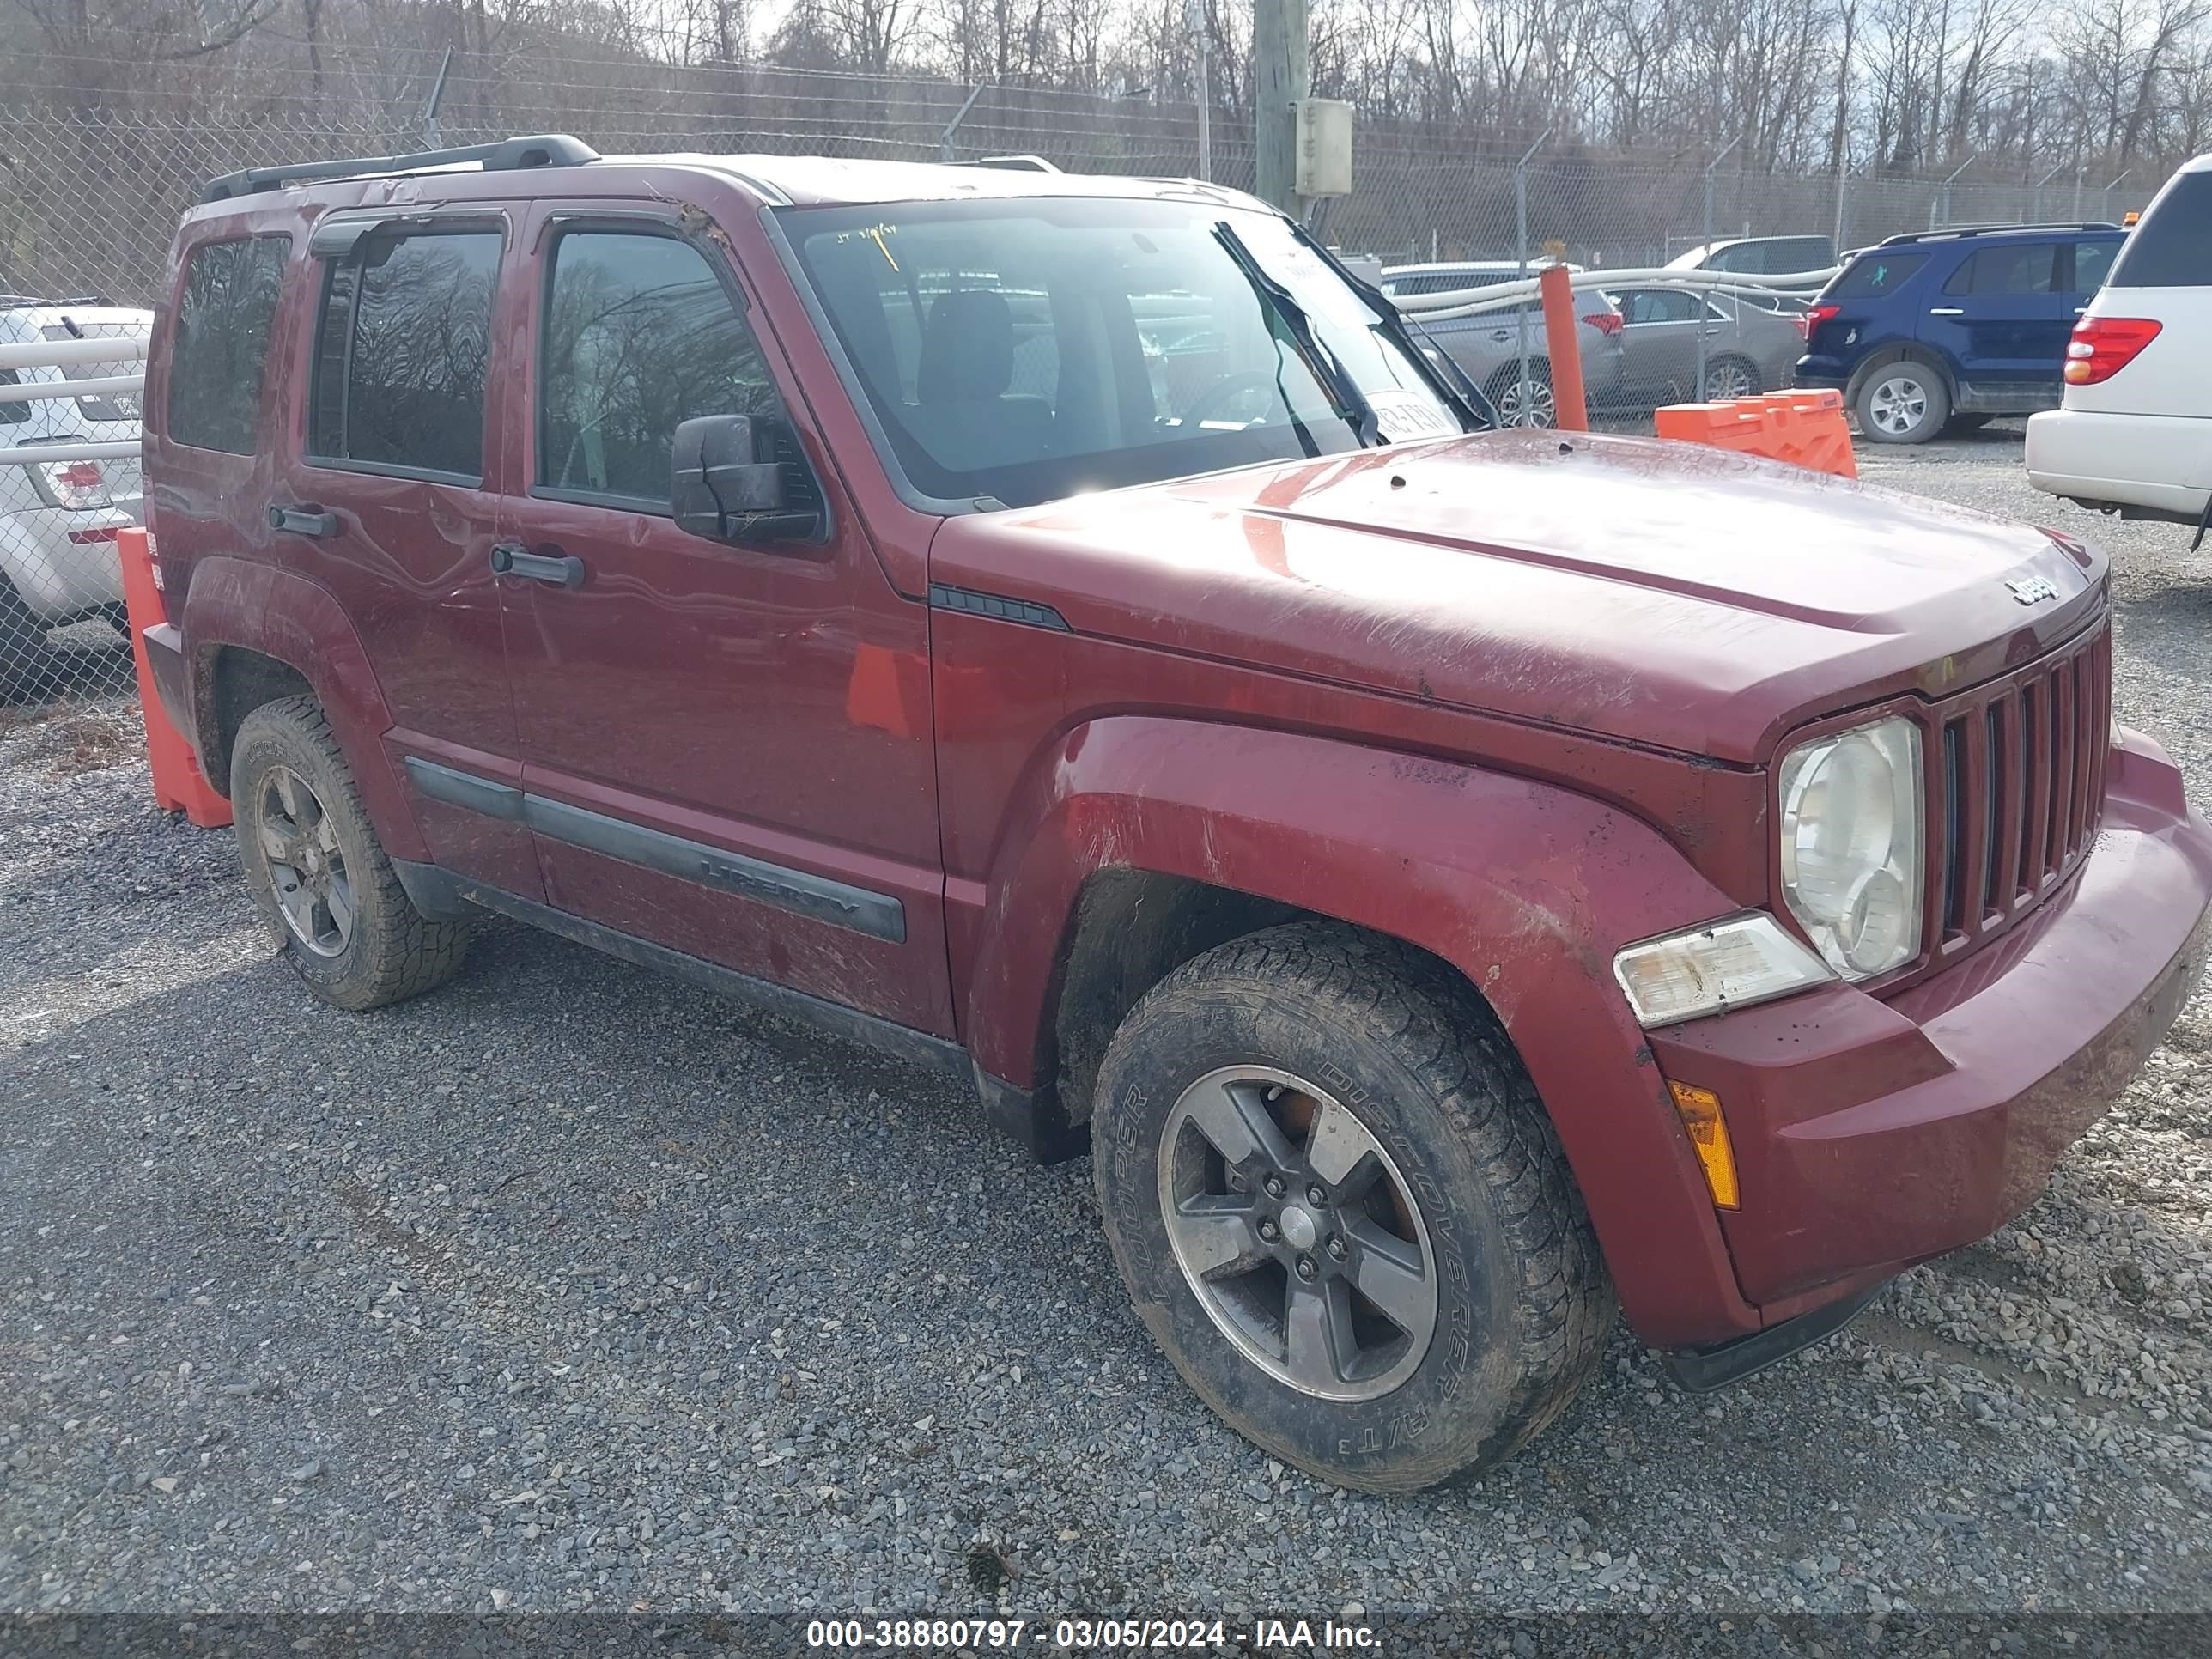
(1488, 346)
(1748, 347)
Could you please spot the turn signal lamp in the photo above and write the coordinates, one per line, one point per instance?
(1700, 1111)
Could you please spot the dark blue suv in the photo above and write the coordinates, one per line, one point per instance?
(1949, 327)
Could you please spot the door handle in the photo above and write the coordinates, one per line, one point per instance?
(303, 520)
(562, 570)
(1947, 310)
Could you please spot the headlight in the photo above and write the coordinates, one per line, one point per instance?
(1853, 871)
(1713, 968)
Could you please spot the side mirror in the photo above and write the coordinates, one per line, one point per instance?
(722, 490)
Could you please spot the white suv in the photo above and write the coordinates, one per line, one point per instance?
(58, 519)
(2135, 434)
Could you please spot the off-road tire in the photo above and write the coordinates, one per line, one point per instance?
(394, 951)
(1867, 402)
(25, 661)
(1524, 1301)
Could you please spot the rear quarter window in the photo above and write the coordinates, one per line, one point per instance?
(1873, 276)
(2173, 246)
(219, 350)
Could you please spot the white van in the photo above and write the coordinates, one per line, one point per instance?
(58, 519)
(2134, 435)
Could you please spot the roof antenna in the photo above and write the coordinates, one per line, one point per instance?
(431, 135)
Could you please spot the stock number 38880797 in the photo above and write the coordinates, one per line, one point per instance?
(1068, 1635)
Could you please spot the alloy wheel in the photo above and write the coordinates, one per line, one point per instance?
(1297, 1233)
(1899, 404)
(299, 844)
(1726, 380)
(1541, 411)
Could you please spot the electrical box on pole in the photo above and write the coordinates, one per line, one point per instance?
(1324, 148)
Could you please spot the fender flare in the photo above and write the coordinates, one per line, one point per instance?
(297, 622)
(1526, 888)
(1899, 351)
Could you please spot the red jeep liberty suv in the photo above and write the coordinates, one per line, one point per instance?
(1070, 632)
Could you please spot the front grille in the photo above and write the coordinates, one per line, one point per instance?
(2020, 774)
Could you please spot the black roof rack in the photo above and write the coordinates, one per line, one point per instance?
(544, 149)
(1976, 230)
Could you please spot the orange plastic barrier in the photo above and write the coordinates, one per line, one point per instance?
(1805, 428)
(177, 785)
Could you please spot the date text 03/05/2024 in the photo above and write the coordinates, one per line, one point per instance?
(1088, 1635)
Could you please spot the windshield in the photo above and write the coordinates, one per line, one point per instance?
(1024, 350)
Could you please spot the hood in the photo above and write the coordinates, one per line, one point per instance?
(1656, 592)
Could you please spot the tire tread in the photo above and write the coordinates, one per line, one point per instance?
(412, 953)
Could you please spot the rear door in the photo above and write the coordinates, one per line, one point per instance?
(392, 503)
(2002, 318)
(1659, 341)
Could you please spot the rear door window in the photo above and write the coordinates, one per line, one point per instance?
(219, 349)
(1659, 305)
(1875, 276)
(2018, 268)
(2173, 246)
(401, 354)
(2093, 264)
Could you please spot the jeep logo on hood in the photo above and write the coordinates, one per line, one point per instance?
(2032, 589)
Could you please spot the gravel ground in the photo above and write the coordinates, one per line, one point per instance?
(571, 1288)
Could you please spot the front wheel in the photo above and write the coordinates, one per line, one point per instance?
(315, 867)
(1341, 1210)
(1903, 403)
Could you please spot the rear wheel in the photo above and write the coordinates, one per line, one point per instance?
(1505, 392)
(315, 868)
(25, 662)
(1730, 377)
(1903, 403)
(1342, 1211)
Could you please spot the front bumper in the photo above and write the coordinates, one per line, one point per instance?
(1871, 1135)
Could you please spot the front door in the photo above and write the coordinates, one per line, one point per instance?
(727, 746)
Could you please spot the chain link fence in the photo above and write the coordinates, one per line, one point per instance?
(89, 198)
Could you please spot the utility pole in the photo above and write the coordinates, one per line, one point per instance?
(1198, 28)
(1281, 75)
(1704, 310)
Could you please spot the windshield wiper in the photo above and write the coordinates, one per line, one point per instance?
(1352, 404)
(1458, 386)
